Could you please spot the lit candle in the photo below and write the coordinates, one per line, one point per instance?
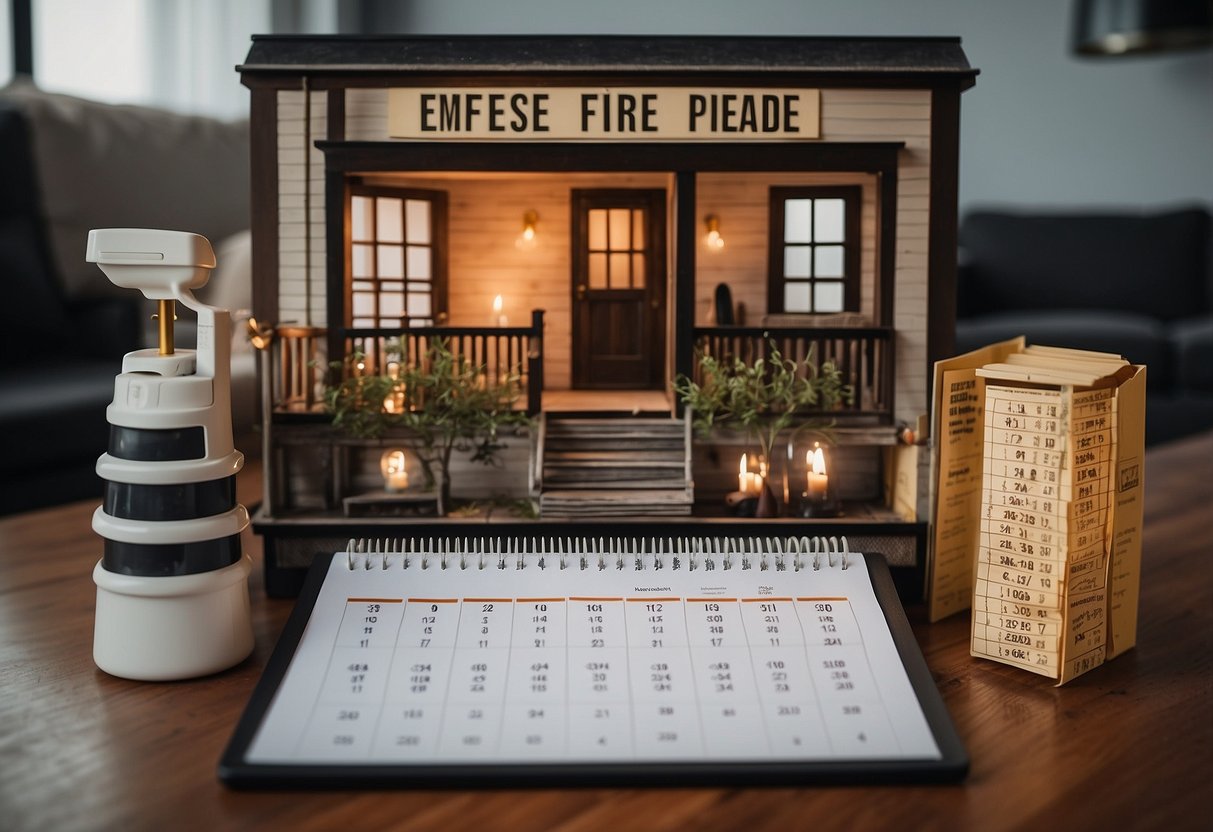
(392, 466)
(743, 476)
(498, 305)
(818, 482)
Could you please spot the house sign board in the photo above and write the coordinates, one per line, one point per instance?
(630, 114)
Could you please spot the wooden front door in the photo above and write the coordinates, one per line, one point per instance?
(619, 275)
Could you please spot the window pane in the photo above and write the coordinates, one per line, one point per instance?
(419, 263)
(391, 304)
(797, 217)
(389, 224)
(364, 304)
(364, 323)
(796, 297)
(638, 229)
(598, 278)
(419, 304)
(796, 261)
(391, 262)
(360, 217)
(620, 278)
(362, 262)
(637, 271)
(827, 261)
(417, 220)
(620, 233)
(598, 237)
(828, 221)
(827, 296)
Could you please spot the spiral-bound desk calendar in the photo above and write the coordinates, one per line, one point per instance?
(596, 660)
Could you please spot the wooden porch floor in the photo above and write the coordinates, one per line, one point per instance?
(627, 401)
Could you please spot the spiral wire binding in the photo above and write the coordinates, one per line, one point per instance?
(583, 553)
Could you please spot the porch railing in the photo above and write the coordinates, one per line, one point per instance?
(513, 354)
(863, 355)
(298, 366)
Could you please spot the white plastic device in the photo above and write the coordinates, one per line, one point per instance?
(172, 588)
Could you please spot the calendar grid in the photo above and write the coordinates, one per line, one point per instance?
(499, 665)
(447, 688)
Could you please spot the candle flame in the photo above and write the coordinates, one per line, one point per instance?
(498, 304)
(817, 460)
(742, 468)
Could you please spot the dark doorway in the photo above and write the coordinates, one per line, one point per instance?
(619, 276)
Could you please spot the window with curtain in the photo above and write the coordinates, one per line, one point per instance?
(814, 249)
(397, 258)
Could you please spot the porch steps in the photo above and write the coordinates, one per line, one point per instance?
(614, 467)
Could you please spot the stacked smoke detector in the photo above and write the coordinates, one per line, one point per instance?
(172, 585)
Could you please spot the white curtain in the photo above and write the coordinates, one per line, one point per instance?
(175, 54)
(193, 47)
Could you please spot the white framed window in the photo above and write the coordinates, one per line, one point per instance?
(814, 249)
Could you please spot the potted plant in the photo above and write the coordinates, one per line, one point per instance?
(762, 399)
(443, 405)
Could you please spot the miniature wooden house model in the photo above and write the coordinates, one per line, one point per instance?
(584, 216)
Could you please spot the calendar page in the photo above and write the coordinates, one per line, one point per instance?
(597, 663)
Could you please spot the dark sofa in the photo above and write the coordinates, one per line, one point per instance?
(1139, 285)
(67, 165)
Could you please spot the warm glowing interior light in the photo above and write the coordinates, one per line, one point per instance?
(392, 466)
(817, 460)
(749, 482)
(816, 480)
(260, 337)
(713, 240)
(527, 239)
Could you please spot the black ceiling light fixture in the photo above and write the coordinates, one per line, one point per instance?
(1123, 27)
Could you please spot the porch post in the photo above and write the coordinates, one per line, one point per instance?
(534, 382)
(685, 240)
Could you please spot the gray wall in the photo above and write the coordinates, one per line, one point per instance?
(1041, 128)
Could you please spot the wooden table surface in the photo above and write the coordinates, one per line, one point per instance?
(1129, 745)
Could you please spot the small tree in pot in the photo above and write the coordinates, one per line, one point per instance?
(447, 404)
(762, 399)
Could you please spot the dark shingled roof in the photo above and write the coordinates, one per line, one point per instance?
(608, 54)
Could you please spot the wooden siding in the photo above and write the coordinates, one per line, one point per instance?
(301, 277)
(904, 115)
(741, 200)
(540, 278)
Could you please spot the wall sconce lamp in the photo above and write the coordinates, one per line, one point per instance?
(526, 240)
(259, 336)
(713, 240)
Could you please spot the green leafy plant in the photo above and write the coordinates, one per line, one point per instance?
(446, 404)
(764, 398)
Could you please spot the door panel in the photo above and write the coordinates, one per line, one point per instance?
(618, 279)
